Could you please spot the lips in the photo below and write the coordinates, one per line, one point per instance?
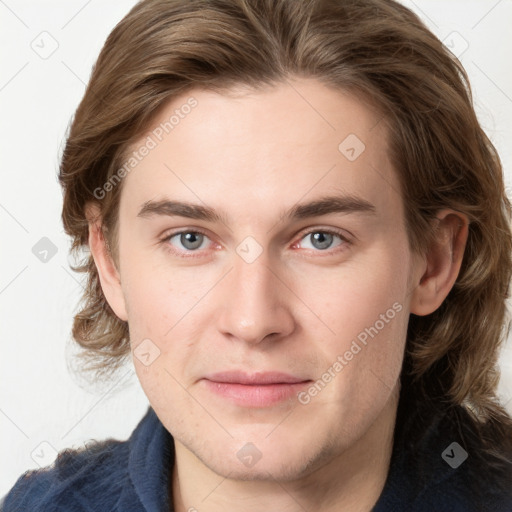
(254, 390)
(266, 378)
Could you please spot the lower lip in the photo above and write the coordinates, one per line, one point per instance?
(255, 395)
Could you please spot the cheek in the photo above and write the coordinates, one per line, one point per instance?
(364, 315)
(353, 297)
(164, 315)
(158, 297)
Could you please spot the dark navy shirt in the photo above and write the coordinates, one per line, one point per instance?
(133, 476)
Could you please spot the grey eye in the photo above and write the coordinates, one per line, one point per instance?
(321, 240)
(189, 240)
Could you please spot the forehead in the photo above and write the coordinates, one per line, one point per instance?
(249, 151)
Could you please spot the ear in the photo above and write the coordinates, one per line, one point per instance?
(109, 276)
(441, 264)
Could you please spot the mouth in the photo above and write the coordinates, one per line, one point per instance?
(255, 390)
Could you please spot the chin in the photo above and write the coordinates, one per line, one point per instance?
(270, 464)
(283, 471)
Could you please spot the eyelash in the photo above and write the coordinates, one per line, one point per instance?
(197, 253)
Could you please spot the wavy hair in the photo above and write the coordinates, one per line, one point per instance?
(381, 52)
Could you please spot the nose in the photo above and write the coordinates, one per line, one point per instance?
(255, 303)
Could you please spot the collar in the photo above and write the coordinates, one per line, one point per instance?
(151, 457)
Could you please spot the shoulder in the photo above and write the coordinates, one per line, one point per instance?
(83, 479)
(110, 475)
(457, 469)
(477, 462)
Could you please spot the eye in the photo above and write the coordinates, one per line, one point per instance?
(190, 243)
(322, 240)
(187, 240)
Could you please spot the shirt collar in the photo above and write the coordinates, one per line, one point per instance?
(151, 458)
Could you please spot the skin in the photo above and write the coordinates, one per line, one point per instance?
(295, 308)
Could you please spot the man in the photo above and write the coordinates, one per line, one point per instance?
(299, 231)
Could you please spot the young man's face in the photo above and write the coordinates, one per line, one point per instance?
(271, 332)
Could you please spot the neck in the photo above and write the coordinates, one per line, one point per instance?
(351, 481)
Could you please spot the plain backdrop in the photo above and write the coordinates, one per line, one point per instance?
(48, 49)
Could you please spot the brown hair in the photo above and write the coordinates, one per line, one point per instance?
(374, 48)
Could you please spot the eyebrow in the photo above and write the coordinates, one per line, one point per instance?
(318, 207)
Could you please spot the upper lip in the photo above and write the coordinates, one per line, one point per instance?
(254, 379)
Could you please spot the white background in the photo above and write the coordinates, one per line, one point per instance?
(41, 401)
